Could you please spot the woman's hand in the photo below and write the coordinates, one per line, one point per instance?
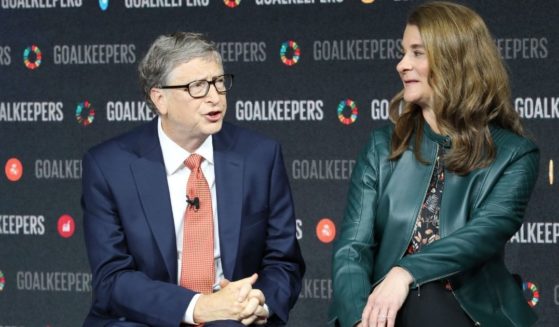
(387, 298)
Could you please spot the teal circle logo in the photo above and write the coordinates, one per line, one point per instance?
(104, 4)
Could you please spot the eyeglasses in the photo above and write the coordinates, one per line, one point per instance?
(199, 89)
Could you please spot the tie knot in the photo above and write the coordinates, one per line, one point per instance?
(193, 162)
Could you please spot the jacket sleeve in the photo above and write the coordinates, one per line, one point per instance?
(353, 253)
(282, 266)
(119, 289)
(491, 223)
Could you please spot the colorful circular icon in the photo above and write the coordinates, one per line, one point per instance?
(232, 3)
(534, 293)
(30, 63)
(294, 57)
(81, 108)
(13, 169)
(104, 4)
(2, 281)
(352, 107)
(66, 226)
(326, 230)
(367, 1)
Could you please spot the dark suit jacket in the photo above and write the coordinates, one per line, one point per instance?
(130, 234)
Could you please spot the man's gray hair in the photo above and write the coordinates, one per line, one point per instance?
(166, 53)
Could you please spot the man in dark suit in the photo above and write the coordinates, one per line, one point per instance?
(140, 199)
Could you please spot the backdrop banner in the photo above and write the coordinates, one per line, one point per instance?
(316, 75)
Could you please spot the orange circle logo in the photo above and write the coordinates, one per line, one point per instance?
(326, 230)
(13, 169)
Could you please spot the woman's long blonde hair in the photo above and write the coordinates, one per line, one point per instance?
(470, 87)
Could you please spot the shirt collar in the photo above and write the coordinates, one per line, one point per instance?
(174, 155)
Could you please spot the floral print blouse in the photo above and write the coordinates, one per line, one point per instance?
(427, 224)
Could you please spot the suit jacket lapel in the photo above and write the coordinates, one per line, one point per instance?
(229, 189)
(151, 182)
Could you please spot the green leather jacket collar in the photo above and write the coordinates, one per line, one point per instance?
(442, 140)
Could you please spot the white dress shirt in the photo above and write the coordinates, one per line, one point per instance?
(177, 178)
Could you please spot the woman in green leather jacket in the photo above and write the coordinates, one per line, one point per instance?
(435, 196)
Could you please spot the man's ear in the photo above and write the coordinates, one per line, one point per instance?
(158, 97)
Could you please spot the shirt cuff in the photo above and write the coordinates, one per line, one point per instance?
(189, 314)
(268, 312)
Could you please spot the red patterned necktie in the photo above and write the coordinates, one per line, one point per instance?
(197, 268)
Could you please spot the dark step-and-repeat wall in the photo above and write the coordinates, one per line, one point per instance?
(317, 75)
